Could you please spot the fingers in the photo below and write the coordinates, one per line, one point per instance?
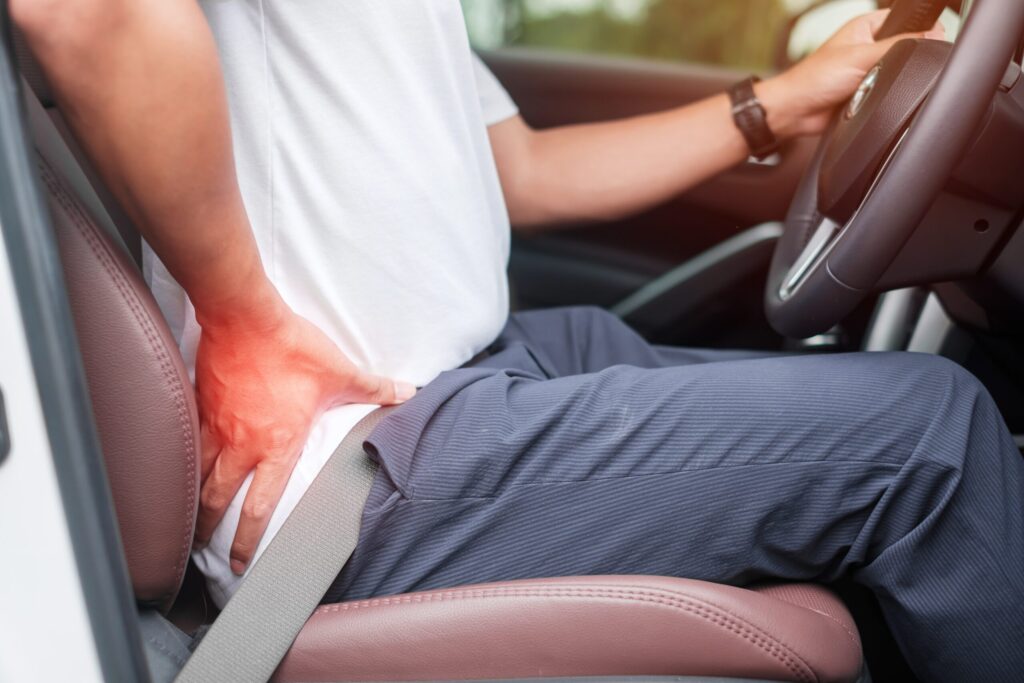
(209, 446)
(860, 29)
(366, 388)
(226, 476)
(871, 53)
(875, 51)
(267, 486)
(876, 20)
(854, 30)
(937, 32)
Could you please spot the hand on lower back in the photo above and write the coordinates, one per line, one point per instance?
(262, 381)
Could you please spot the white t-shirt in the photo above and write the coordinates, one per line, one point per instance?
(360, 139)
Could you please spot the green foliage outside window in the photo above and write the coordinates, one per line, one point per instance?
(737, 33)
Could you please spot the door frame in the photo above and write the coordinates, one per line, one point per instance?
(57, 435)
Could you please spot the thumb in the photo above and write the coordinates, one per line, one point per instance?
(366, 388)
(876, 20)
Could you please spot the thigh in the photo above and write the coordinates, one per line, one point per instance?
(728, 471)
(580, 340)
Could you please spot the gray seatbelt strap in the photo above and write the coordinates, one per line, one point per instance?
(50, 145)
(258, 625)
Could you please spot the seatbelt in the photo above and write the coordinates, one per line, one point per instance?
(50, 145)
(260, 622)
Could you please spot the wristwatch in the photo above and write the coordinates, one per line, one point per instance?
(750, 117)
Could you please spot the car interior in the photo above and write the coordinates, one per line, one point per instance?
(896, 231)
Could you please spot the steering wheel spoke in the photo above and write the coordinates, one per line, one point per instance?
(881, 166)
(811, 257)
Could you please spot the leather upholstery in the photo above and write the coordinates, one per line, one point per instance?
(581, 626)
(141, 397)
(577, 626)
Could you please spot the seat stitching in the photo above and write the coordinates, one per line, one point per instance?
(83, 225)
(738, 626)
(711, 613)
(855, 639)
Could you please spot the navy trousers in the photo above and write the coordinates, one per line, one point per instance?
(577, 448)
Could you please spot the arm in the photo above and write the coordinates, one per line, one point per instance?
(140, 85)
(603, 171)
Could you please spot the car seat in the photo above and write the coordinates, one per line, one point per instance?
(583, 626)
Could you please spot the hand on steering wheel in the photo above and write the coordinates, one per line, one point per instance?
(881, 163)
(828, 77)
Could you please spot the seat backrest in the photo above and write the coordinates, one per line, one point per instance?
(32, 75)
(142, 399)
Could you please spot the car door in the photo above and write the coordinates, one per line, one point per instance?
(578, 61)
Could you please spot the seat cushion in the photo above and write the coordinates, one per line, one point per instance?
(581, 626)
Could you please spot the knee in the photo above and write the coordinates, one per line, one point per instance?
(957, 408)
(939, 378)
(595, 317)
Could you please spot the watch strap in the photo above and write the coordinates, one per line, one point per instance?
(751, 119)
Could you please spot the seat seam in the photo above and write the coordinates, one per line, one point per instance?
(683, 595)
(854, 638)
(711, 613)
(84, 227)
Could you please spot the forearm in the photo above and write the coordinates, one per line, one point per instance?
(139, 83)
(606, 170)
(603, 171)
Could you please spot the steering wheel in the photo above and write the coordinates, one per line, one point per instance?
(882, 162)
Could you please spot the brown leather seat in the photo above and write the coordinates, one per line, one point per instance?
(576, 626)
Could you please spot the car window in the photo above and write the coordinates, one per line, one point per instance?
(738, 33)
(743, 34)
(820, 20)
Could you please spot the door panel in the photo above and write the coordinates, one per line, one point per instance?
(603, 263)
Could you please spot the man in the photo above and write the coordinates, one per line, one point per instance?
(366, 231)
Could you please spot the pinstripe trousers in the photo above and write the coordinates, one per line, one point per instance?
(577, 448)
